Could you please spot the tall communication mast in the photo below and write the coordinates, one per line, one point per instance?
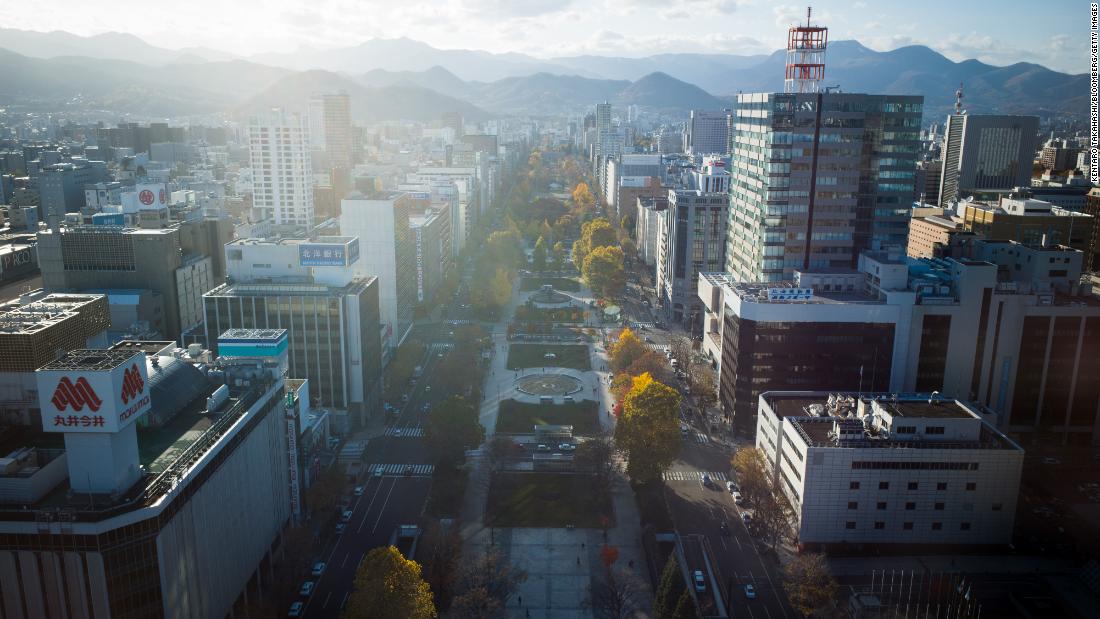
(805, 57)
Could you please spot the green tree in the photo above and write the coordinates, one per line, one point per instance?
(594, 234)
(626, 350)
(504, 248)
(604, 273)
(772, 512)
(648, 431)
(538, 255)
(500, 288)
(557, 256)
(389, 585)
(669, 589)
(452, 428)
(809, 584)
(627, 223)
(685, 607)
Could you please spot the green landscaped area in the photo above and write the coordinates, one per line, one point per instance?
(566, 284)
(521, 417)
(573, 356)
(546, 500)
(527, 313)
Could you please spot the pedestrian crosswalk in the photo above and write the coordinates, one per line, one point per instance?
(715, 476)
(399, 469)
(661, 348)
(701, 438)
(406, 432)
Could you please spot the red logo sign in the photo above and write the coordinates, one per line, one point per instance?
(77, 395)
(146, 197)
(132, 384)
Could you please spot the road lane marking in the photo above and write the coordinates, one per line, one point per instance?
(325, 604)
(382, 509)
(373, 498)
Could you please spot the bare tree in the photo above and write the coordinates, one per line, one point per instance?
(493, 573)
(616, 595)
(772, 512)
(681, 350)
(703, 385)
(809, 584)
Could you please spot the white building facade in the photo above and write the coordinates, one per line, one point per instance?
(282, 186)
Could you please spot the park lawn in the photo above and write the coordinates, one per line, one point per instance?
(546, 500)
(521, 417)
(573, 356)
(567, 284)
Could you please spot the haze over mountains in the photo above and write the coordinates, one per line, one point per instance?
(402, 78)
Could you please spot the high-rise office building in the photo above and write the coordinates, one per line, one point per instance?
(985, 151)
(387, 251)
(306, 287)
(818, 178)
(605, 135)
(691, 238)
(282, 174)
(337, 122)
(707, 133)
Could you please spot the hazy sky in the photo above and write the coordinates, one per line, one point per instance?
(1053, 33)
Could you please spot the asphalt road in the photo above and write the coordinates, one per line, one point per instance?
(387, 502)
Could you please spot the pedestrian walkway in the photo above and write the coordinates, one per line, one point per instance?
(715, 476)
(399, 469)
(410, 432)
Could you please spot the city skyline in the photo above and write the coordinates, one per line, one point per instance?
(553, 28)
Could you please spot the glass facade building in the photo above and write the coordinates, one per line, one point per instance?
(817, 178)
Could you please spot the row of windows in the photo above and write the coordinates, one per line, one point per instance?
(885, 485)
(918, 466)
(907, 526)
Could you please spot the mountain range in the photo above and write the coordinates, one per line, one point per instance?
(410, 78)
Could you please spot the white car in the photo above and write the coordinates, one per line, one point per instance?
(731, 487)
(346, 516)
(700, 582)
(750, 591)
(358, 491)
(307, 588)
(295, 610)
(318, 568)
(737, 498)
(567, 447)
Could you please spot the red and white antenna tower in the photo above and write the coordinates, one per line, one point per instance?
(805, 56)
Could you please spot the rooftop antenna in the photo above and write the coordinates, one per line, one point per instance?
(959, 99)
(805, 56)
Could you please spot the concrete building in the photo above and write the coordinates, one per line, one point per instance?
(381, 222)
(882, 469)
(117, 524)
(107, 257)
(1008, 329)
(930, 237)
(647, 224)
(1059, 155)
(691, 238)
(282, 172)
(1029, 221)
(818, 178)
(336, 111)
(984, 151)
(431, 234)
(707, 133)
(61, 186)
(334, 336)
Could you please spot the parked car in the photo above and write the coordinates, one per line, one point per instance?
(567, 447)
(306, 589)
(731, 487)
(318, 568)
(737, 498)
(295, 610)
(340, 528)
(346, 516)
(358, 491)
(700, 582)
(750, 591)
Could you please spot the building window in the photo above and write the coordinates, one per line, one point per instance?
(971, 486)
(913, 485)
(997, 507)
(880, 505)
(883, 485)
(910, 506)
(853, 485)
(908, 526)
(853, 504)
(905, 430)
(941, 485)
(849, 525)
(880, 525)
(939, 507)
(964, 526)
(937, 526)
(933, 430)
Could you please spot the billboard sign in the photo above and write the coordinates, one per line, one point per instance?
(93, 401)
(323, 255)
(108, 219)
(419, 195)
(151, 196)
(420, 264)
(790, 294)
(15, 259)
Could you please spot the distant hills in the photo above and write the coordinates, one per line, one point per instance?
(404, 77)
